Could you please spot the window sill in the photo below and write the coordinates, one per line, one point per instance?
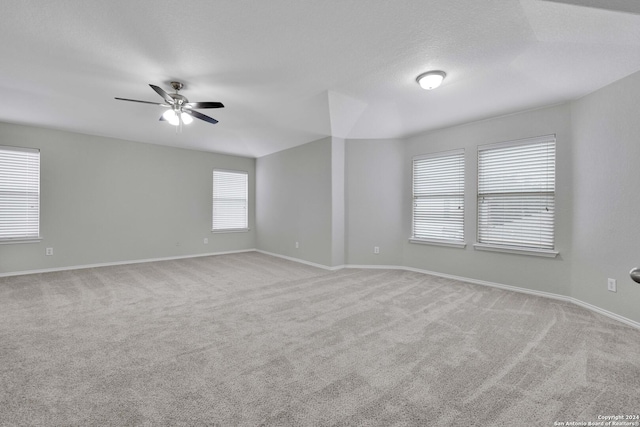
(434, 242)
(232, 230)
(22, 240)
(515, 250)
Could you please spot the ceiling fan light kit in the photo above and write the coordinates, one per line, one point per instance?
(431, 79)
(180, 110)
(175, 117)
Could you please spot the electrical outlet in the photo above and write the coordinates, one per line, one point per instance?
(376, 249)
(611, 285)
(206, 241)
(297, 245)
(49, 252)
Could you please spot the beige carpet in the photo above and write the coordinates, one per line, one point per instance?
(249, 339)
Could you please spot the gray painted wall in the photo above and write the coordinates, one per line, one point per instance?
(375, 205)
(106, 200)
(378, 202)
(606, 220)
(597, 232)
(338, 226)
(294, 202)
(542, 274)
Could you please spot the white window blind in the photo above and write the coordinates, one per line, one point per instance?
(19, 193)
(229, 201)
(438, 197)
(516, 193)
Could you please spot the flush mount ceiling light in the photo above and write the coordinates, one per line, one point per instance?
(431, 79)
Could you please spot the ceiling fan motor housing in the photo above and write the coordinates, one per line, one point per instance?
(179, 100)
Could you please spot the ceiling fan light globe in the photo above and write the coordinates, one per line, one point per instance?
(171, 117)
(186, 118)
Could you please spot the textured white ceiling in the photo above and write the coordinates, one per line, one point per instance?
(291, 71)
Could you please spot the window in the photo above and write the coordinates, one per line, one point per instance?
(229, 201)
(19, 194)
(516, 195)
(438, 198)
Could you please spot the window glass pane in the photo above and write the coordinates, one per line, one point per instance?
(19, 193)
(516, 193)
(229, 200)
(438, 196)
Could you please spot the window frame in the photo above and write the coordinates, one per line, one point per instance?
(27, 237)
(246, 202)
(512, 248)
(434, 240)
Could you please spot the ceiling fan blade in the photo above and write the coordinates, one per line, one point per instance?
(142, 102)
(163, 94)
(204, 105)
(200, 116)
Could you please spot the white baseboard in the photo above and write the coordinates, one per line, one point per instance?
(339, 267)
(301, 261)
(109, 264)
(605, 312)
(478, 282)
(509, 288)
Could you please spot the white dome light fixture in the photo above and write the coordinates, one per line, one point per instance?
(431, 79)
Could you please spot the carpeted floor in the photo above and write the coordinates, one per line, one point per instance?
(248, 339)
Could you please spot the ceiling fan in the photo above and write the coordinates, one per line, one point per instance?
(180, 110)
